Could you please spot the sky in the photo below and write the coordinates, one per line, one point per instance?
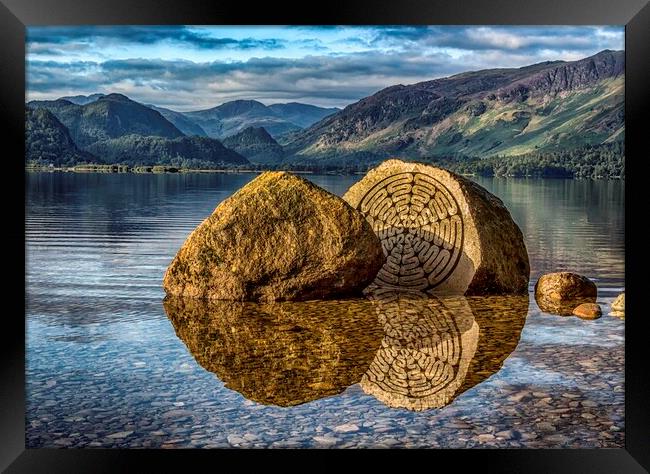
(197, 67)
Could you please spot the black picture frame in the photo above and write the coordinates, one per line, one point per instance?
(16, 15)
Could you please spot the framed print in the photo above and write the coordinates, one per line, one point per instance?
(377, 228)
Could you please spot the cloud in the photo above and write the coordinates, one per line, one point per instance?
(332, 66)
(523, 39)
(321, 79)
(91, 36)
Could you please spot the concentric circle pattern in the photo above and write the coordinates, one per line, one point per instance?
(420, 227)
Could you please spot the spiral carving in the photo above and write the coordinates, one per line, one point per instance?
(418, 365)
(420, 227)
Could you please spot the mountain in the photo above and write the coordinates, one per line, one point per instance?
(110, 116)
(181, 121)
(255, 144)
(302, 115)
(83, 99)
(547, 106)
(183, 152)
(232, 117)
(47, 141)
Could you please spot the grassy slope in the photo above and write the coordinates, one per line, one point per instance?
(570, 119)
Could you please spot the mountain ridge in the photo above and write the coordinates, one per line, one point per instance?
(475, 112)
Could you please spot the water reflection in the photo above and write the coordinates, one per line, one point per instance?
(405, 348)
(280, 353)
(436, 348)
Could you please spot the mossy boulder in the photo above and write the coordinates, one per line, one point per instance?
(280, 237)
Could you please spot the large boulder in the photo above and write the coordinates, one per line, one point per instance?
(280, 237)
(561, 292)
(441, 233)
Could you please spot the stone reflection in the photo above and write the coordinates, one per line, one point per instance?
(282, 354)
(436, 348)
(405, 348)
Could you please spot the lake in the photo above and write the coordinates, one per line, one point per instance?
(108, 364)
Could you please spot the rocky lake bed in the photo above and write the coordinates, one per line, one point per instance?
(109, 364)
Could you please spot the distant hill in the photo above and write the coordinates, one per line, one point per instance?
(232, 117)
(47, 141)
(557, 118)
(302, 115)
(255, 144)
(182, 152)
(110, 116)
(548, 106)
(181, 121)
(83, 99)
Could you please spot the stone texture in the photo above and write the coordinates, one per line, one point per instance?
(441, 233)
(280, 237)
(588, 311)
(559, 293)
(618, 306)
(281, 354)
(436, 348)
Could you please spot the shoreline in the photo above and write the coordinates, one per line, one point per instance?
(158, 169)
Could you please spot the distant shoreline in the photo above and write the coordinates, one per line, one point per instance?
(158, 169)
(121, 169)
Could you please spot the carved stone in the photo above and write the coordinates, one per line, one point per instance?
(440, 233)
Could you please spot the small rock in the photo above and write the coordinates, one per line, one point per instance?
(588, 311)
(557, 438)
(346, 428)
(325, 440)
(458, 425)
(545, 426)
(618, 306)
(177, 414)
(485, 437)
(619, 303)
(235, 439)
(120, 435)
(559, 293)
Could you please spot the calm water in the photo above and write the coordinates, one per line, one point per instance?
(110, 365)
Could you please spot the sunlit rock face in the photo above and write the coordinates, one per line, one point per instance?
(280, 353)
(278, 238)
(440, 233)
(436, 348)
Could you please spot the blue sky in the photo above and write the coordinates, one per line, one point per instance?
(195, 67)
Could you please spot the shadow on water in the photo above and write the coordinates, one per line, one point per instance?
(407, 349)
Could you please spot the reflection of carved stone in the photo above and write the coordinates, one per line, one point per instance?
(284, 353)
(441, 233)
(436, 348)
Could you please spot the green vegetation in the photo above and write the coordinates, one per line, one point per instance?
(184, 152)
(591, 161)
(48, 143)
